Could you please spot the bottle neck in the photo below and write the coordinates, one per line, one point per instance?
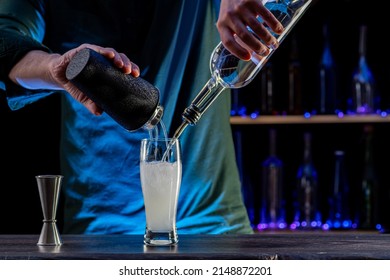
(199, 105)
(327, 59)
(307, 148)
(202, 101)
(362, 41)
(368, 154)
(338, 171)
(272, 142)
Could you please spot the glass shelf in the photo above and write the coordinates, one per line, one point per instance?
(326, 119)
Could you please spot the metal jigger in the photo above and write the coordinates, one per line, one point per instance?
(49, 190)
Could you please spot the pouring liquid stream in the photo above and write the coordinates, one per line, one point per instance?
(194, 112)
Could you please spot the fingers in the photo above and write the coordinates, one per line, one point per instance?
(92, 107)
(121, 61)
(272, 22)
(83, 99)
(246, 26)
(229, 41)
(127, 65)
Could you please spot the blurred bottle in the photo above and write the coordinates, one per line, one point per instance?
(238, 106)
(247, 189)
(363, 85)
(307, 215)
(267, 90)
(328, 85)
(339, 201)
(294, 80)
(272, 208)
(368, 214)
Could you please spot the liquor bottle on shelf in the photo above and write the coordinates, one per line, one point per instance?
(327, 75)
(272, 207)
(339, 201)
(363, 84)
(267, 100)
(307, 214)
(294, 80)
(238, 107)
(368, 206)
(247, 190)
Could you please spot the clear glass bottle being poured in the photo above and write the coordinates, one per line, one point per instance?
(228, 71)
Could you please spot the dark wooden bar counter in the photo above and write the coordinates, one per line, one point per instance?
(262, 246)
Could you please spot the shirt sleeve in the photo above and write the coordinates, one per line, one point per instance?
(21, 30)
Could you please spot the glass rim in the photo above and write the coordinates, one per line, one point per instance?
(159, 139)
(49, 176)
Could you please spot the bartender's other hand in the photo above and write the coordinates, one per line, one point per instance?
(119, 59)
(234, 18)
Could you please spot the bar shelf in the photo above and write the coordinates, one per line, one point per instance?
(301, 119)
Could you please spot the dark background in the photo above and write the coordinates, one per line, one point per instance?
(344, 19)
(29, 147)
(30, 136)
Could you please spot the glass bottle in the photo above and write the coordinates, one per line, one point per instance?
(294, 80)
(339, 201)
(228, 71)
(272, 207)
(363, 85)
(368, 214)
(328, 87)
(307, 215)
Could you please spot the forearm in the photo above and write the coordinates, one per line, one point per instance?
(14, 47)
(33, 71)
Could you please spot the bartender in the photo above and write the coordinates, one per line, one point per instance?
(168, 43)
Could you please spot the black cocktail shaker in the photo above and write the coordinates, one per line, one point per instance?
(131, 102)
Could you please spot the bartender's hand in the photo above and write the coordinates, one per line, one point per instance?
(41, 70)
(234, 18)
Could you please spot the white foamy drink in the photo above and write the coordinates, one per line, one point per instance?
(160, 187)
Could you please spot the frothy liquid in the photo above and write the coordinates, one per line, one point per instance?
(160, 187)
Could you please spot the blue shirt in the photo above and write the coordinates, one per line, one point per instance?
(172, 42)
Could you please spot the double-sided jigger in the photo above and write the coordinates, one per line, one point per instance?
(49, 187)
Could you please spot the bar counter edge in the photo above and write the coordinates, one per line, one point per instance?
(258, 246)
